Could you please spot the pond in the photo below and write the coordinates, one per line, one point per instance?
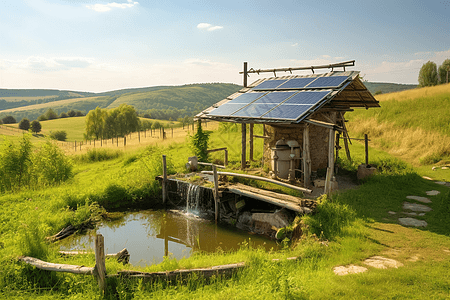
(151, 235)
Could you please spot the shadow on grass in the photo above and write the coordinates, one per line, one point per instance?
(387, 192)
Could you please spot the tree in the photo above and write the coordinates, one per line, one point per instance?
(59, 135)
(51, 115)
(71, 113)
(9, 120)
(444, 71)
(79, 113)
(24, 124)
(428, 74)
(95, 122)
(63, 115)
(199, 143)
(36, 126)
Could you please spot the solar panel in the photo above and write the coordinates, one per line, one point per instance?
(275, 97)
(254, 110)
(227, 109)
(287, 112)
(328, 82)
(296, 83)
(269, 84)
(246, 98)
(307, 97)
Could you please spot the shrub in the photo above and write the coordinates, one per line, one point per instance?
(9, 120)
(24, 124)
(59, 135)
(36, 126)
(199, 143)
(94, 155)
(50, 114)
(71, 113)
(51, 165)
(63, 115)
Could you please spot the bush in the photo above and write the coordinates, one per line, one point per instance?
(36, 126)
(94, 155)
(59, 135)
(9, 120)
(71, 113)
(51, 115)
(199, 143)
(24, 124)
(63, 115)
(50, 164)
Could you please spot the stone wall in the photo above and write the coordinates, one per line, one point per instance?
(318, 137)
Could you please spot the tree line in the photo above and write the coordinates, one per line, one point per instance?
(431, 75)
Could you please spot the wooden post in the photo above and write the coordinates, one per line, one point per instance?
(100, 267)
(172, 132)
(124, 140)
(250, 141)
(139, 136)
(94, 143)
(226, 157)
(81, 143)
(330, 168)
(306, 157)
(244, 146)
(366, 146)
(347, 150)
(338, 136)
(245, 74)
(216, 193)
(164, 191)
(75, 146)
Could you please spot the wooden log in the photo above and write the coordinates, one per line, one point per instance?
(121, 256)
(56, 267)
(223, 270)
(65, 232)
(100, 267)
(297, 188)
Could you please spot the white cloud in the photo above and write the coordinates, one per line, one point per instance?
(38, 64)
(295, 45)
(209, 27)
(109, 6)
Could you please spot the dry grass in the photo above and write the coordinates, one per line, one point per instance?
(424, 92)
(30, 98)
(414, 145)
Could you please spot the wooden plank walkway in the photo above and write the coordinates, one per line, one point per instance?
(303, 206)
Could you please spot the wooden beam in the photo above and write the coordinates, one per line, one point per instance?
(100, 267)
(216, 193)
(164, 183)
(330, 168)
(306, 156)
(244, 146)
(250, 141)
(297, 188)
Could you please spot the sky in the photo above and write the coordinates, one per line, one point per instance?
(96, 46)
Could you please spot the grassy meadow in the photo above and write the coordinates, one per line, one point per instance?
(348, 227)
(413, 125)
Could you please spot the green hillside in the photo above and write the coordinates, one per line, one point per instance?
(385, 87)
(161, 102)
(413, 125)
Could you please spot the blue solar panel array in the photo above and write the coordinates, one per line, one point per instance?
(301, 83)
(281, 99)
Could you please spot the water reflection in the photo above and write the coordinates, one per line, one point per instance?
(151, 235)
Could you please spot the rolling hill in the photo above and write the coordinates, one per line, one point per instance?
(162, 102)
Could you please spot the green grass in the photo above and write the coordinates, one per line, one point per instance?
(355, 222)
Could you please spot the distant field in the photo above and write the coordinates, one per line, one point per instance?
(425, 92)
(29, 98)
(49, 104)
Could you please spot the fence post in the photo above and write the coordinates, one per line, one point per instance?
(124, 140)
(100, 267)
(216, 193)
(366, 146)
(164, 190)
(75, 146)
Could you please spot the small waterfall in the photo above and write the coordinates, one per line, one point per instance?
(191, 194)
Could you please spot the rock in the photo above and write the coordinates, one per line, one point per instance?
(410, 213)
(434, 168)
(392, 212)
(412, 222)
(445, 168)
(441, 182)
(351, 269)
(427, 178)
(381, 262)
(420, 199)
(432, 193)
(416, 207)
(365, 171)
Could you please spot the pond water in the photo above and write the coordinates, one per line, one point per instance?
(151, 235)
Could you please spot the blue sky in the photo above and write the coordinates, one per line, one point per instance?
(95, 45)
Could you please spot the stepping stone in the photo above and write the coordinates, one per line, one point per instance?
(427, 178)
(420, 199)
(392, 212)
(416, 207)
(412, 222)
(410, 213)
(422, 214)
(381, 262)
(443, 183)
(432, 193)
(351, 269)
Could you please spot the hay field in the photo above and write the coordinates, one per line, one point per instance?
(49, 104)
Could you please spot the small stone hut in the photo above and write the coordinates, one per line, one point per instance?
(301, 116)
